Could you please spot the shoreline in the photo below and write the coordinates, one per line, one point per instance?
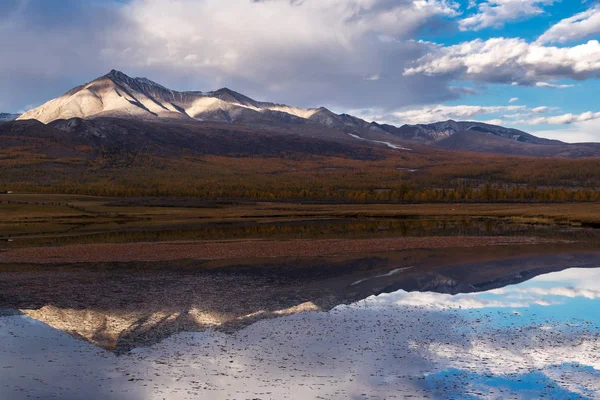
(223, 250)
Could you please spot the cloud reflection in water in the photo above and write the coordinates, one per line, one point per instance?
(537, 338)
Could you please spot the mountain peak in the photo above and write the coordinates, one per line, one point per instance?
(140, 82)
(225, 90)
(232, 96)
(116, 74)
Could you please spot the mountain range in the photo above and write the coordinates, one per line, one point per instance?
(115, 104)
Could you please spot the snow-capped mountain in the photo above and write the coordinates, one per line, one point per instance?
(8, 117)
(118, 95)
(127, 99)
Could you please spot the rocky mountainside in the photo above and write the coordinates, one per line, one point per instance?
(439, 131)
(164, 138)
(116, 96)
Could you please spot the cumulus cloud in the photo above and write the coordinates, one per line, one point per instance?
(514, 114)
(440, 112)
(495, 13)
(561, 119)
(583, 278)
(513, 100)
(510, 61)
(441, 301)
(305, 52)
(309, 53)
(580, 26)
(577, 132)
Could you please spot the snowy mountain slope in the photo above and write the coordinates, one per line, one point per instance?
(118, 95)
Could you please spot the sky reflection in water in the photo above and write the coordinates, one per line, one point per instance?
(564, 302)
(532, 340)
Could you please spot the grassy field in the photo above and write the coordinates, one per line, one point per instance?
(38, 216)
(34, 207)
(408, 177)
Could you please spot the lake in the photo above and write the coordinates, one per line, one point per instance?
(517, 320)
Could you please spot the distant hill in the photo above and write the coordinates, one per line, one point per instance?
(8, 117)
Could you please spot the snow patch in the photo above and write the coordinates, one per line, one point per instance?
(388, 144)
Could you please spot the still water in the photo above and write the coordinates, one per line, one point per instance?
(506, 328)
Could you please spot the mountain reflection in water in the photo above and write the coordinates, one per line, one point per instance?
(120, 306)
(531, 339)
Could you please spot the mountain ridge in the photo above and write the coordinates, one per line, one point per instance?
(147, 99)
(117, 95)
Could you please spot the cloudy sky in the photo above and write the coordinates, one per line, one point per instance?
(529, 64)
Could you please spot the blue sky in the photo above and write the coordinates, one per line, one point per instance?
(581, 96)
(528, 64)
(526, 28)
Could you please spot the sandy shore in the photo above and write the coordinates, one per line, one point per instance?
(165, 251)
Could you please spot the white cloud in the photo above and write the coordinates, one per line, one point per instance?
(539, 110)
(495, 13)
(491, 121)
(552, 85)
(502, 60)
(566, 292)
(436, 113)
(580, 26)
(528, 293)
(561, 119)
(442, 112)
(513, 100)
(578, 132)
(441, 301)
(313, 51)
(517, 114)
(513, 115)
(304, 52)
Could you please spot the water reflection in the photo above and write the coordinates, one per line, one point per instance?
(119, 306)
(475, 345)
(454, 383)
(52, 234)
(577, 285)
